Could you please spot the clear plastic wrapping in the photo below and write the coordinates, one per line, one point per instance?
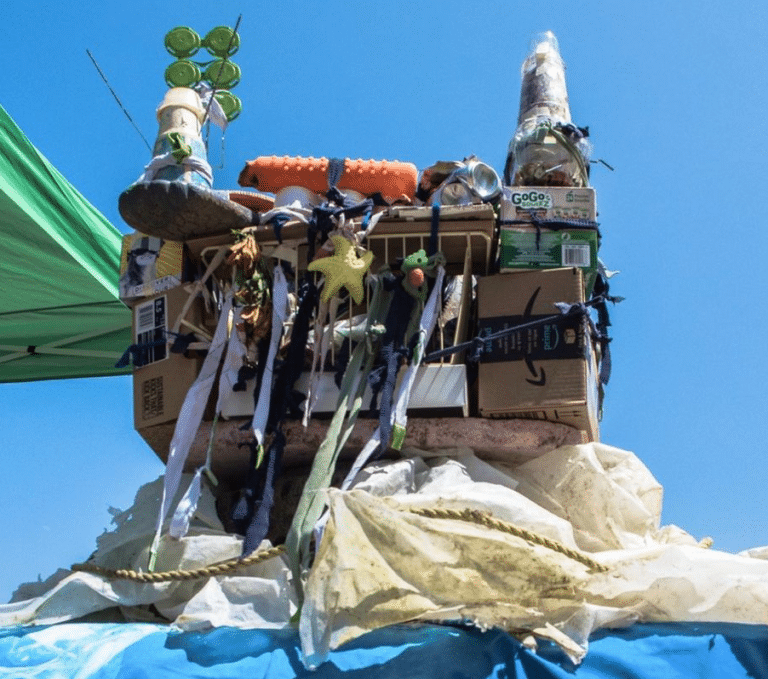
(546, 149)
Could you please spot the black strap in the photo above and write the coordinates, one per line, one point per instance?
(601, 293)
(277, 222)
(392, 352)
(552, 224)
(137, 354)
(434, 229)
(321, 222)
(251, 514)
(335, 171)
(477, 344)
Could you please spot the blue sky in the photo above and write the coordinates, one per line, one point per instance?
(674, 94)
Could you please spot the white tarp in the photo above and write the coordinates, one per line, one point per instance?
(260, 595)
(379, 563)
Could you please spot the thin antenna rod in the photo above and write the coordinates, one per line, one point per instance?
(119, 103)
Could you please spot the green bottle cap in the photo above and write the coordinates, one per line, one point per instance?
(182, 73)
(222, 41)
(182, 42)
(222, 74)
(230, 103)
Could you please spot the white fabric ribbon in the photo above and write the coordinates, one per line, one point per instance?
(188, 422)
(279, 314)
(211, 104)
(233, 360)
(426, 328)
(187, 506)
(294, 211)
(323, 335)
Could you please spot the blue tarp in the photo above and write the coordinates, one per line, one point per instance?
(144, 651)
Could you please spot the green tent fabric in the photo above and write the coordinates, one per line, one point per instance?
(60, 314)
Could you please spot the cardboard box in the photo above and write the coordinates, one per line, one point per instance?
(149, 265)
(546, 372)
(548, 202)
(525, 247)
(160, 386)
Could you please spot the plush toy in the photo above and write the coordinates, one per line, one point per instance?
(342, 269)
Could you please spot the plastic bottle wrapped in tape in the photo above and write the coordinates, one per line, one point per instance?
(547, 149)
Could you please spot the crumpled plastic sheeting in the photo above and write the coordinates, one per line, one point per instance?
(261, 595)
(458, 482)
(608, 495)
(380, 564)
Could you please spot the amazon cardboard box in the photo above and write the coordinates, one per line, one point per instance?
(161, 384)
(546, 371)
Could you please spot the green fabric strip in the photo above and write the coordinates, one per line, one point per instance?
(312, 500)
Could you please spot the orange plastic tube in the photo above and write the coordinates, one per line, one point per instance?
(391, 178)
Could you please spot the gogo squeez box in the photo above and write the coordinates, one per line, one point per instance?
(548, 202)
(544, 372)
(525, 245)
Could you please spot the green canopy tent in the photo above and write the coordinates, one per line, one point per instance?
(60, 314)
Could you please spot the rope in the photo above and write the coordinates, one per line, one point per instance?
(484, 519)
(221, 568)
(224, 567)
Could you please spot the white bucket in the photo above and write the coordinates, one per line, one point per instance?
(181, 111)
(298, 196)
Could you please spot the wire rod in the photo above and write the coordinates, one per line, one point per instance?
(117, 99)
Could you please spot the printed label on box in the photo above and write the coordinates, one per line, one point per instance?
(152, 398)
(562, 338)
(525, 248)
(151, 326)
(573, 254)
(548, 203)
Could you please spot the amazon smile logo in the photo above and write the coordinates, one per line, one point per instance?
(539, 375)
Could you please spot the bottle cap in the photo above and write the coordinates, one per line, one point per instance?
(222, 41)
(182, 73)
(231, 104)
(222, 74)
(182, 42)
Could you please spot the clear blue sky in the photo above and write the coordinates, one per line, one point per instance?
(674, 95)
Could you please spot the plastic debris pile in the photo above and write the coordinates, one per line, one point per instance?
(396, 374)
(353, 292)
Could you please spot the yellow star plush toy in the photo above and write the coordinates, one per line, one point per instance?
(343, 269)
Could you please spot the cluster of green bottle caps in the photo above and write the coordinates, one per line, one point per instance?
(221, 73)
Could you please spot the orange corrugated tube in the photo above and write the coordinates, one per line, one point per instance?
(391, 178)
